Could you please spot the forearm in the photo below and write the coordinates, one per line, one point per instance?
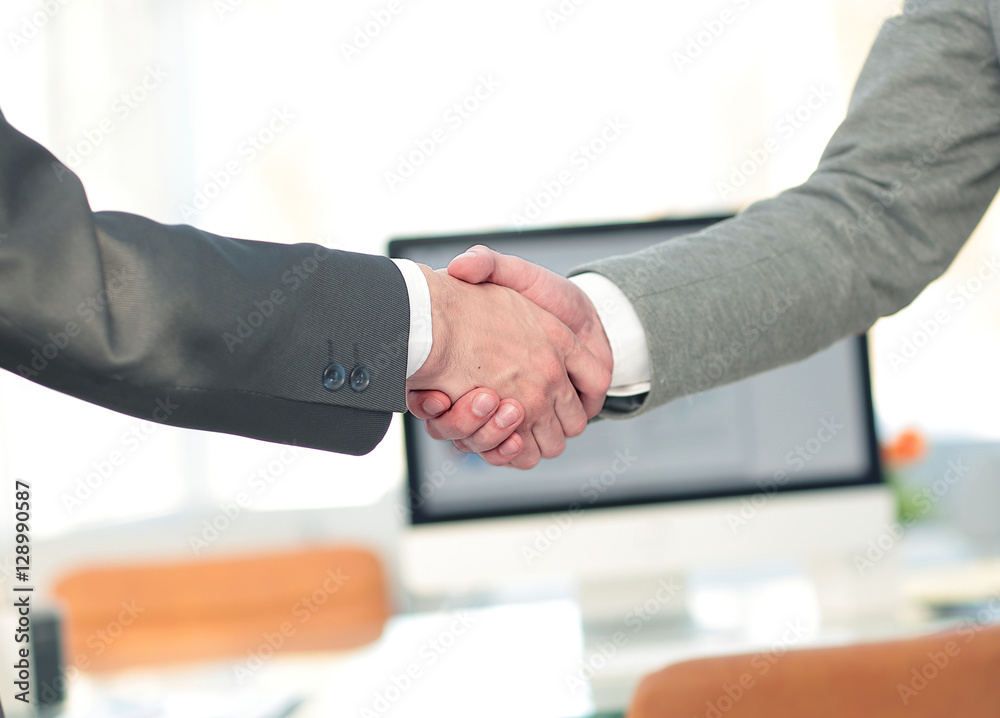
(122, 311)
(900, 187)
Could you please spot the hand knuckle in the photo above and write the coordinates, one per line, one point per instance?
(576, 426)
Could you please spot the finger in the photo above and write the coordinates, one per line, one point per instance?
(482, 264)
(549, 436)
(530, 455)
(427, 404)
(494, 432)
(570, 412)
(474, 266)
(504, 454)
(590, 377)
(466, 417)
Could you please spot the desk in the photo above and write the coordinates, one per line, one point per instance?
(514, 660)
(502, 661)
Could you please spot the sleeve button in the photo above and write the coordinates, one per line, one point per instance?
(334, 377)
(360, 378)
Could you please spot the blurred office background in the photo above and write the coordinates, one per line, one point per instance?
(279, 121)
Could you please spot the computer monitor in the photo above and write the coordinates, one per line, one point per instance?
(780, 465)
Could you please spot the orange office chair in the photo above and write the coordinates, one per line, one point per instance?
(124, 616)
(948, 674)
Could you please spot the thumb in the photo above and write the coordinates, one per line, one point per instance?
(552, 292)
(481, 264)
(474, 266)
(427, 404)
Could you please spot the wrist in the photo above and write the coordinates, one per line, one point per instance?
(623, 331)
(595, 336)
(421, 331)
(440, 295)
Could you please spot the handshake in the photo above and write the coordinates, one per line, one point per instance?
(504, 327)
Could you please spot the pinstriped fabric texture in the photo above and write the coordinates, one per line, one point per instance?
(191, 329)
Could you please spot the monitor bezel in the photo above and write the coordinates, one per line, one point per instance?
(873, 474)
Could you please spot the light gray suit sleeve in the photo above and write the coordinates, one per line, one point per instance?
(899, 189)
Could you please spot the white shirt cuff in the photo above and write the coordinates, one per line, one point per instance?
(629, 349)
(421, 332)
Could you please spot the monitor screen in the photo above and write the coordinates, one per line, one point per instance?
(806, 425)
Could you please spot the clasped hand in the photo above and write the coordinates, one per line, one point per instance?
(503, 327)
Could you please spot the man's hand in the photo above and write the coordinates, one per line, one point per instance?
(474, 431)
(469, 419)
(552, 292)
(487, 335)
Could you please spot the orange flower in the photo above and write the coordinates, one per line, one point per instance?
(908, 448)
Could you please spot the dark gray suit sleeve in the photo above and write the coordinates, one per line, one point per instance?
(186, 328)
(899, 189)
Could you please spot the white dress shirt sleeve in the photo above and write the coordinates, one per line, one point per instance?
(629, 349)
(421, 332)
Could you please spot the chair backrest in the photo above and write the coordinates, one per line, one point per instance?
(956, 673)
(123, 616)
